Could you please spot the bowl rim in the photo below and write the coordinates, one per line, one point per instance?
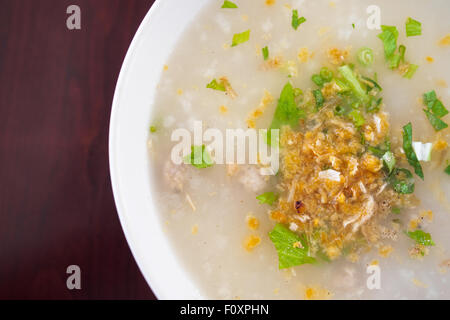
(157, 290)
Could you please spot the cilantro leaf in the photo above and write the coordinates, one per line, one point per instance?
(409, 150)
(287, 112)
(229, 5)
(215, 85)
(413, 27)
(240, 38)
(421, 237)
(292, 249)
(296, 21)
(265, 52)
(199, 157)
(389, 36)
(267, 198)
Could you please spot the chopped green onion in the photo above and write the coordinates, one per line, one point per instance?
(423, 150)
(374, 84)
(396, 210)
(318, 80)
(292, 249)
(394, 61)
(326, 74)
(353, 26)
(296, 21)
(267, 198)
(434, 104)
(229, 5)
(240, 38)
(357, 118)
(318, 96)
(409, 150)
(265, 52)
(413, 27)
(421, 237)
(429, 98)
(402, 181)
(365, 56)
(298, 92)
(437, 123)
(389, 161)
(389, 36)
(153, 129)
(402, 52)
(447, 170)
(352, 81)
(412, 68)
(216, 85)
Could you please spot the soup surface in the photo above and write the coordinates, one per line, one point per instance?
(219, 229)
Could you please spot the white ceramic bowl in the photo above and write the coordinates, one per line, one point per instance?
(129, 163)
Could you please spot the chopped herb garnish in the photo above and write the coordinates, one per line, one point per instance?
(326, 74)
(434, 104)
(412, 68)
(409, 150)
(394, 61)
(153, 129)
(292, 249)
(365, 56)
(352, 81)
(389, 36)
(402, 181)
(287, 112)
(229, 5)
(402, 52)
(318, 80)
(267, 198)
(413, 28)
(437, 123)
(265, 52)
(296, 21)
(357, 118)
(374, 84)
(421, 237)
(353, 25)
(240, 38)
(435, 110)
(298, 92)
(318, 97)
(396, 210)
(447, 170)
(423, 150)
(215, 85)
(199, 157)
(389, 161)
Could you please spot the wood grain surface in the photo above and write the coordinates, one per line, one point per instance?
(56, 203)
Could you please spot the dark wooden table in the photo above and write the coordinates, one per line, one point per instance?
(56, 203)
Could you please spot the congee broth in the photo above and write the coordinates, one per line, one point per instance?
(359, 206)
